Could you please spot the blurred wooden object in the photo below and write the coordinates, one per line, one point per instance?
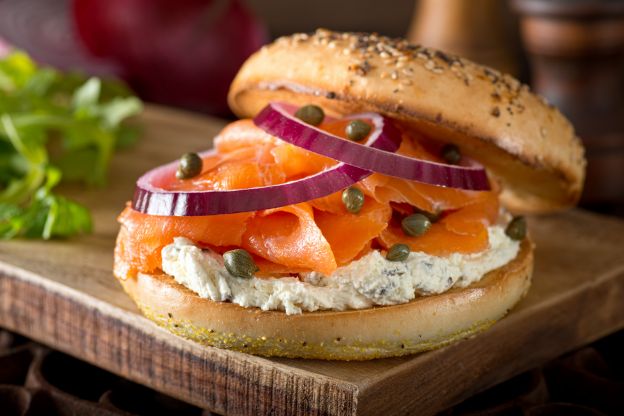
(576, 53)
(476, 29)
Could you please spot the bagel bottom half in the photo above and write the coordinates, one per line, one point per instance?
(425, 323)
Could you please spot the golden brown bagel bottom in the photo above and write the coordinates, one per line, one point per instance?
(425, 323)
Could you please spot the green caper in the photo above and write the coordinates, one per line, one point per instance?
(517, 228)
(311, 114)
(398, 252)
(415, 225)
(357, 130)
(451, 154)
(190, 166)
(353, 199)
(239, 263)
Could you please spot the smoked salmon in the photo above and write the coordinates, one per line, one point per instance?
(318, 235)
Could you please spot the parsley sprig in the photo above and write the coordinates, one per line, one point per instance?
(55, 127)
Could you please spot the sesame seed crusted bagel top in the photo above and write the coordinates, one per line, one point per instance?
(528, 146)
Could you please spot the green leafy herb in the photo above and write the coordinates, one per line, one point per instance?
(55, 126)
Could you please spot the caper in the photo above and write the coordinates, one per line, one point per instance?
(353, 199)
(239, 263)
(357, 130)
(451, 154)
(190, 166)
(516, 229)
(415, 225)
(311, 114)
(398, 252)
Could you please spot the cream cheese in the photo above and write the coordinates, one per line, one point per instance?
(368, 281)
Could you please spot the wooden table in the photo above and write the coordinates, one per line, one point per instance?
(63, 294)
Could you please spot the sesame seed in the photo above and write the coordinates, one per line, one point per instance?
(492, 74)
(444, 57)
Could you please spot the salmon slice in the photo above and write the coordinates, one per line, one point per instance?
(289, 236)
(299, 163)
(241, 134)
(331, 203)
(348, 234)
(437, 241)
(270, 269)
(473, 218)
(142, 236)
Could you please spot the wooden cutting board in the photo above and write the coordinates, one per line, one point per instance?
(63, 294)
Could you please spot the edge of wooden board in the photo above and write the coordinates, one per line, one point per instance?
(574, 322)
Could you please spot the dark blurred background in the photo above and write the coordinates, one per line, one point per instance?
(184, 53)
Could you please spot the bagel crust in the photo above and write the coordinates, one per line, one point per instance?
(526, 144)
(425, 323)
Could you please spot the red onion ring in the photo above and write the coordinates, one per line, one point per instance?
(278, 120)
(151, 199)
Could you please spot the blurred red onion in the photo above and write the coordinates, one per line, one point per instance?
(5, 49)
(183, 53)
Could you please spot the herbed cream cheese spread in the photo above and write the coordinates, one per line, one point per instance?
(368, 281)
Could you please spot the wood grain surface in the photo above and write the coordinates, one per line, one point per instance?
(63, 294)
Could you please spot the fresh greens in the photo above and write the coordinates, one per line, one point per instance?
(54, 126)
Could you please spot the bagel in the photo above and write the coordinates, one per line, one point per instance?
(425, 323)
(527, 146)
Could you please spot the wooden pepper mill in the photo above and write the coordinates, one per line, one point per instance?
(576, 54)
(480, 30)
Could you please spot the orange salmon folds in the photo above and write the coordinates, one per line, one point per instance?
(319, 235)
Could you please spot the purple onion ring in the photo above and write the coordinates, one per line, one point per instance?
(151, 199)
(278, 120)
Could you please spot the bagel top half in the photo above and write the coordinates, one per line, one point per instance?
(527, 145)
